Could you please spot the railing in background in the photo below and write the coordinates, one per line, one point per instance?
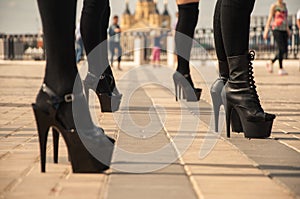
(267, 48)
(22, 47)
(147, 38)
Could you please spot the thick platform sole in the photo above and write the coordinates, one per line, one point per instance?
(236, 125)
(257, 129)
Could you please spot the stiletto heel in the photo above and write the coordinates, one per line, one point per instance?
(216, 92)
(179, 91)
(43, 125)
(176, 91)
(107, 93)
(228, 111)
(185, 84)
(47, 114)
(55, 135)
(217, 102)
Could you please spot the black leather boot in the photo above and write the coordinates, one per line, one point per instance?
(215, 92)
(241, 96)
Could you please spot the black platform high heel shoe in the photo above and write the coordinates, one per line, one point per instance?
(184, 84)
(105, 89)
(49, 112)
(215, 92)
(241, 95)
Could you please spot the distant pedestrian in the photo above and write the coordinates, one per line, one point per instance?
(156, 49)
(11, 47)
(79, 44)
(278, 17)
(114, 32)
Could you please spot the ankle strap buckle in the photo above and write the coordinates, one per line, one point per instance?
(69, 97)
(55, 98)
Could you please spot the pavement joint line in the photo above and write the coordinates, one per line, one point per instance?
(287, 133)
(289, 146)
(188, 173)
(10, 186)
(3, 156)
(254, 164)
(66, 174)
(264, 172)
(296, 137)
(15, 182)
(56, 190)
(15, 131)
(103, 192)
(283, 116)
(10, 152)
(257, 166)
(284, 131)
(186, 168)
(278, 182)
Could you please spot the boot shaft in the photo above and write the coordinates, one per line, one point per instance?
(223, 69)
(239, 68)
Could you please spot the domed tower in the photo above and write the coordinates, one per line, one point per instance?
(127, 18)
(146, 15)
(144, 8)
(155, 18)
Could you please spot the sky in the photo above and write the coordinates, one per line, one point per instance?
(22, 16)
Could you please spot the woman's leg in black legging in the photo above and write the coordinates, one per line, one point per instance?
(187, 21)
(103, 37)
(275, 58)
(93, 26)
(220, 50)
(276, 38)
(235, 23)
(281, 40)
(58, 19)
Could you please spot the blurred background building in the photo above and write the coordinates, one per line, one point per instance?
(146, 15)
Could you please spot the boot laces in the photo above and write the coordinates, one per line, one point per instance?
(252, 85)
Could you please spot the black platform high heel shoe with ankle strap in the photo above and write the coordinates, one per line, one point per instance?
(50, 111)
(184, 84)
(105, 89)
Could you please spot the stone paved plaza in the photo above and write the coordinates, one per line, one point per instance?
(150, 119)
